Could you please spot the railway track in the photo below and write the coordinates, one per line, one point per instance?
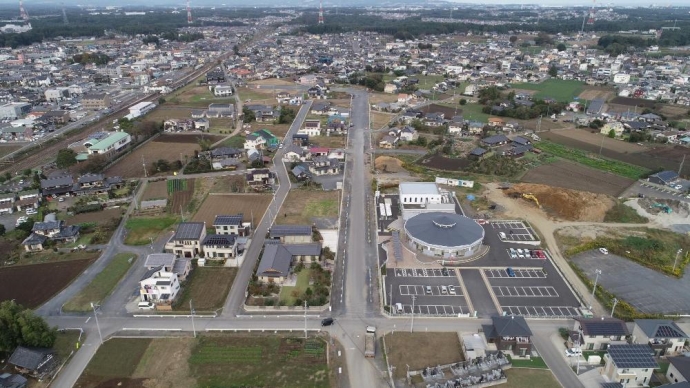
(41, 155)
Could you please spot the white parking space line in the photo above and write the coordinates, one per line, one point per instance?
(525, 291)
(433, 310)
(424, 272)
(542, 311)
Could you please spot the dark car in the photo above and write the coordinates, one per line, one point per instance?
(327, 321)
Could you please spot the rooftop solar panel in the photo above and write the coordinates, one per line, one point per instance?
(666, 331)
(604, 328)
(633, 356)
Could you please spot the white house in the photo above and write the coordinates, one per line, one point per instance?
(616, 126)
(141, 109)
(598, 333)
(311, 128)
(678, 370)
(159, 287)
(663, 335)
(631, 364)
(621, 78)
(470, 90)
(222, 91)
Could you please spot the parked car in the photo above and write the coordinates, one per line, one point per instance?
(678, 187)
(604, 251)
(146, 306)
(444, 290)
(451, 290)
(327, 321)
(573, 352)
(510, 272)
(31, 211)
(513, 255)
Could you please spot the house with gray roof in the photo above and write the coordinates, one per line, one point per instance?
(221, 247)
(664, 178)
(170, 263)
(291, 234)
(509, 333)
(8, 380)
(278, 258)
(35, 362)
(679, 370)
(663, 335)
(632, 364)
(186, 241)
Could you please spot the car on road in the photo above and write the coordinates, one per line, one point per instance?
(280, 145)
(604, 251)
(451, 290)
(21, 220)
(327, 321)
(573, 352)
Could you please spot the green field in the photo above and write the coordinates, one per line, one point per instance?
(102, 285)
(533, 362)
(140, 230)
(176, 185)
(473, 112)
(594, 161)
(557, 89)
(227, 361)
(529, 378)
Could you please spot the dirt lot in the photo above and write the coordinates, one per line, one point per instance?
(131, 165)
(156, 190)
(180, 199)
(207, 287)
(31, 285)
(388, 164)
(279, 130)
(592, 92)
(229, 204)
(441, 162)
(101, 217)
(446, 110)
(628, 101)
(376, 98)
(566, 204)
(328, 141)
(303, 207)
(656, 157)
(595, 139)
(169, 111)
(271, 81)
(419, 350)
(228, 184)
(674, 111)
(380, 119)
(187, 138)
(577, 177)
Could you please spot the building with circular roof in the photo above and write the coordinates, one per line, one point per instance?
(444, 234)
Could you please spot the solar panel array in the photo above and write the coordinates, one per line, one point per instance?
(667, 331)
(220, 240)
(612, 385)
(604, 328)
(397, 246)
(633, 356)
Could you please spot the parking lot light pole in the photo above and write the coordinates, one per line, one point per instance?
(594, 289)
(412, 323)
(615, 302)
(98, 326)
(675, 262)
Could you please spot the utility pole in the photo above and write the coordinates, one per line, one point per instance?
(675, 262)
(98, 326)
(596, 279)
(681, 164)
(602, 144)
(143, 163)
(615, 302)
(191, 311)
(305, 319)
(412, 323)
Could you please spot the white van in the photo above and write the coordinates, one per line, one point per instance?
(146, 306)
(502, 235)
(399, 308)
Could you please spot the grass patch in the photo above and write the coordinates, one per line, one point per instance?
(301, 206)
(529, 378)
(420, 350)
(533, 362)
(594, 161)
(234, 142)
(622, 213)
(117, 357)
(102, 285)
(259, 361)
(66, 342)
(288, 294)
(473, 112)
(207, 287)
(560, 90)
(140, 230)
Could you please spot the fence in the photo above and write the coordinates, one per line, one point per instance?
(248, 308)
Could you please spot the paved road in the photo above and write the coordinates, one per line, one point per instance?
(235, 300)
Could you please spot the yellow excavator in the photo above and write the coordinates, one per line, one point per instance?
(532, 197)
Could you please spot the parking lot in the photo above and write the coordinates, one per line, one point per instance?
(514, 230)
(436, 292)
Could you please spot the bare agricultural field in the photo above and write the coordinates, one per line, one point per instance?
(302, 207)
(419, 350)
(674, 110)
(600, 92)
(377, 98)
(570, 175)
(155, 190)
(279, 130)
(272, 82)
(228, 184)
(169, 111)
(328, 141)
(629, 101)
(228, 204)
(131, 165)
(595, 139)
(101, 217)
(187, 138)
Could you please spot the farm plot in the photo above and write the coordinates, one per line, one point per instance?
(181, 191)
(248, 204)
(228, 184)
(101, 217)
(440, 162)
(155, 190)
(304, 207)
(628, 101)
(577, 177)
(132, 165)
(191, 138)
(593, 92)
(31, 285)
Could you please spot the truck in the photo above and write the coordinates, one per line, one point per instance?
(370, 342)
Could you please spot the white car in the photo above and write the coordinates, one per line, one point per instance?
(451, 290)
(604, 251)
(31, 211)
(678, 187)
(573, 352)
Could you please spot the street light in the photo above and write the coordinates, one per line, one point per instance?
(596, 279)
(615, 302)
(412, 323)
(98, 326)
(191, 311)
(675, 262)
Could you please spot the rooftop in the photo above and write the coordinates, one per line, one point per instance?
(189, 230)
(633, 356)
(421, 188)
(444, 229)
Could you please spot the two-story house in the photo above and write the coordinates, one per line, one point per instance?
(186, 241)
(510, 334)
(679, 370)
(663, 335)
(168, 262)
(221, 247)
(598, 333)
(322, 165)
(291, 234)
(261, 139)
(58, 185)
(311, 128)
(232, 224)
(260, 176)
(631, 364)
(159, 286)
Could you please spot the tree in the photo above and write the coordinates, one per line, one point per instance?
(20, 327)
(8, 176)
(161, 100)
(612, 134)
(553, 71)
(513, 39)
(95, 163)
(463, 101)
(66, 158)
(287, 115)
(26, 172)
(2, 230)
(561, 47)
(236, 49)
(279, 42)
(247, 115)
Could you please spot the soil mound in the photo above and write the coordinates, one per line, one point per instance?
(388, 164)
(566, 204)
